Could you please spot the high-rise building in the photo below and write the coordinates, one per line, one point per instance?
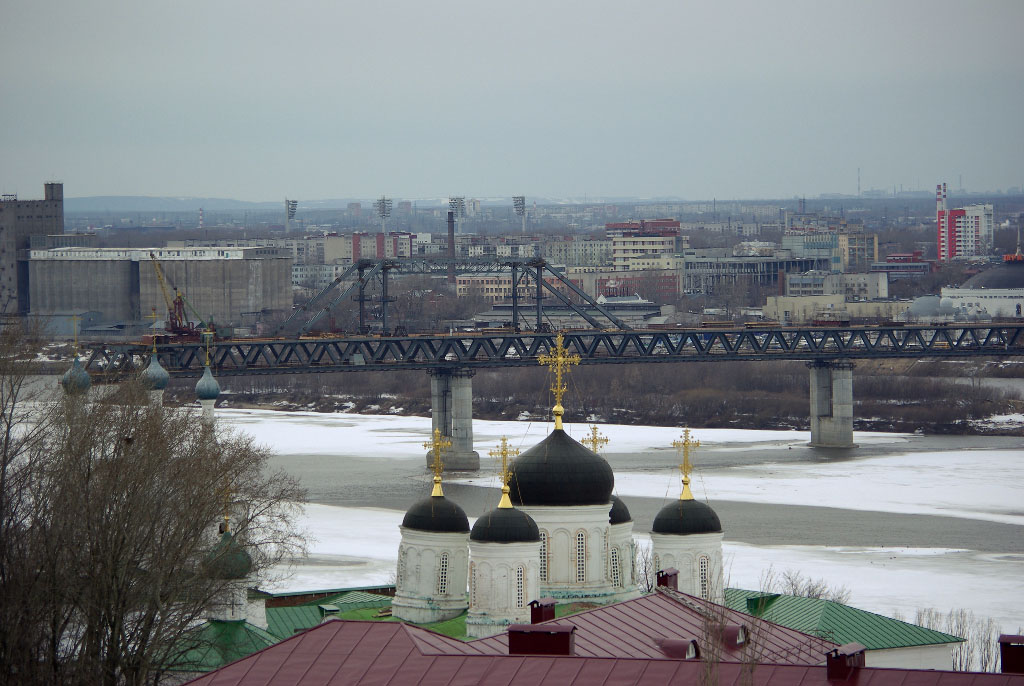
(963, 232)
(19, 221)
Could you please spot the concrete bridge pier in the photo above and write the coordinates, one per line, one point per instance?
(451, 411)
(831, 403)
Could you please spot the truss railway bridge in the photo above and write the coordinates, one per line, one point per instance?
(452, 360)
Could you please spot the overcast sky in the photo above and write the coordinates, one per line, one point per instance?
(256, 100)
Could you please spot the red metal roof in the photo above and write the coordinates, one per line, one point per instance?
(633, 628)
(392, 654)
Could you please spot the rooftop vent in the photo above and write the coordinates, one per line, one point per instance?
(734, 635)
(679, 648)
(842, 663)
(1011, 653)
(669, 578)
(542, 610)
(550, 639)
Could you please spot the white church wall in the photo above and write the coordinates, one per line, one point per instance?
(432, 576)
(698, 557)
(567, 532)
(504, 578)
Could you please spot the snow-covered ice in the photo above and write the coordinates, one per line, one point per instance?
(359, 547)
(974, 484)
(316, 433)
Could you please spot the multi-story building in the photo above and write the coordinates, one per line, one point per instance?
(633, 244)
(904, 265)
(845, 244)
(708, 270)
(859, 286)
(622, 228)
(578, 252)
(19, 221)
(964, 232)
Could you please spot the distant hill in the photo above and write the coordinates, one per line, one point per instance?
(140, 203)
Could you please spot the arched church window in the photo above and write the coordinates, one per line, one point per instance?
(703, 562)
(543, 555)
(472, 584)
(616, 575)
(400, 572)
(520, 586)
(581, 556)
(442, 574)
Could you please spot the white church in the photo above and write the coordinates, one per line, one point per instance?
(558, 532)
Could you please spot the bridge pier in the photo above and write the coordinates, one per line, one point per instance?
(831, 403)
(451, 411)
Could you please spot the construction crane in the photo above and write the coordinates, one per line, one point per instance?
(176, 323)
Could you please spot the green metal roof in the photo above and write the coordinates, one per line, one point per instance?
(283, 622)
(834, 621)
(218, 642)
(350, 600)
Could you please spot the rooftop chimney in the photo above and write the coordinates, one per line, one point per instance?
(550, 639)
(542, 610)
(842, 663)
(1011, 654)
(669, 578)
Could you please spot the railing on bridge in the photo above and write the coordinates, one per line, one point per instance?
(467, 350)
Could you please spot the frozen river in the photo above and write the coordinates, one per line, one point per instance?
(903, 521)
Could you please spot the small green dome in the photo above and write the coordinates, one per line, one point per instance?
(76, 380)
(154, 376)
(207, 388)
(228, 560)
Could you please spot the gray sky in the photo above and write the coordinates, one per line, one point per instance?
(257, 100)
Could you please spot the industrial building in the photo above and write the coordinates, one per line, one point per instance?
(233, 286)
(19, 221)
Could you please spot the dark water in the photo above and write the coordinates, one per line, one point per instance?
(395, 484)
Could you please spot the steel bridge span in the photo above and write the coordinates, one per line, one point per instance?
(452, 359)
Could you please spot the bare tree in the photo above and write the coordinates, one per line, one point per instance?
(109, 514)
(792, 582)
(980, 649)
(646, 574)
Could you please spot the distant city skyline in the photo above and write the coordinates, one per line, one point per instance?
(260, 100)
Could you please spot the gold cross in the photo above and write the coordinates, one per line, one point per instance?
(207, 338)
(595, 441)
(559, 363)
(74, 326)
(227, 508)
(437, 444)
(686, 466)
(153, 329)
(504, 452)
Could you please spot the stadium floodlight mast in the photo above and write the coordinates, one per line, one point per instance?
(290, 206)
(519, 203)
(457, 204)
(383, 206)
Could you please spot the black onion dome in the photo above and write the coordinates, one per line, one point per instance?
(228, 559)
(619, 514)
(437, 514)
(1006, 275)
(505, 525)
(560, 471)
(686, 517)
